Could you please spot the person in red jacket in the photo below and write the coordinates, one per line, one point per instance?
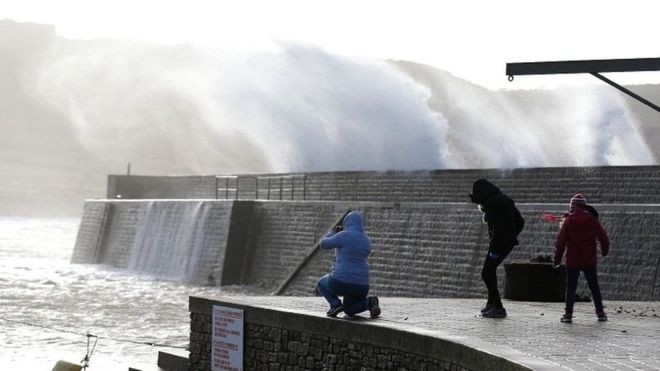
(577, 237)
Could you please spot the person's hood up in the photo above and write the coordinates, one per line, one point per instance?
(353, 222)
(482, 191)
(580, 217)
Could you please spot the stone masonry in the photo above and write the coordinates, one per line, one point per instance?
(602, 185)
(281, 340)
(419, 249)
(444, 330)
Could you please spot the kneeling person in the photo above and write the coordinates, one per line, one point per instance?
(350, 272)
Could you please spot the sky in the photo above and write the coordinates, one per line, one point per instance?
(470, 39)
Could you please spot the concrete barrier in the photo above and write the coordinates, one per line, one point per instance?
(275, 339)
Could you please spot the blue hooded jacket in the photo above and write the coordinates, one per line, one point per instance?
(353, 249)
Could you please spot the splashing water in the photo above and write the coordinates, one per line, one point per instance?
(187, 109)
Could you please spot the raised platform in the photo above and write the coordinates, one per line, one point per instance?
(530, 338)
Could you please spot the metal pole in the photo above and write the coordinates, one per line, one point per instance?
(639, 98)
(256, 188)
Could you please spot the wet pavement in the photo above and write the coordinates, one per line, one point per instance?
(531, 334)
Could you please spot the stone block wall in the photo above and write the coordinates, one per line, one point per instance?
(437, 250)
(418, 249)
(161, 187)
(608, 184)
(287, 340)
(611, 184)
(281, 234)
(90, 232)
(117, 232)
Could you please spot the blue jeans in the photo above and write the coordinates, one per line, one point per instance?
(572, 275)
(355, 296)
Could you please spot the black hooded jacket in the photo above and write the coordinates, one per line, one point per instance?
(500, 212)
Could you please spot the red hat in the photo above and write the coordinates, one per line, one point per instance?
(578, 199)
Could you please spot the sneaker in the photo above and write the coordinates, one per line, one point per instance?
(566, 318)
(494, 313)
(374, 308)
(602, 317)
(334, 311)
(487, 308)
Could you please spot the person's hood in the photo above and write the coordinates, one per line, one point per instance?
(482, 191)
(580, 217)
(353, 222)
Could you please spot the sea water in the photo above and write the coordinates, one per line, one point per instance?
(47, 304)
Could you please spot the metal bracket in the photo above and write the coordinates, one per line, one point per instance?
(593, 67)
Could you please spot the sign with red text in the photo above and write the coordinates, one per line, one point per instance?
(227, 339)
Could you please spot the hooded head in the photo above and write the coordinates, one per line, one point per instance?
(482, 191)
(353, 222)
(577, 201)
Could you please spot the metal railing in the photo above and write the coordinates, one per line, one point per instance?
(270, 187)
(281, 187)
(226, 186)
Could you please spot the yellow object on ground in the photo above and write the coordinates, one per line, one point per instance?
(66, 366)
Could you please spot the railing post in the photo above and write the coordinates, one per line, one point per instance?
(281, 186)
(304, 187)
(226, 188)
(268, 194)
(293, 187)
(256, 188)
(237, 188)
(216, 187)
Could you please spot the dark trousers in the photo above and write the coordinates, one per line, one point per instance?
(489, 275)
(355, 296)
(572, 275)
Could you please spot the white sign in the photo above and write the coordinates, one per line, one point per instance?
(227, 339)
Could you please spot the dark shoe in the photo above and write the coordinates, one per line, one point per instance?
(602, 317)
(487, 308)
(567, 318)
(334, 311)
(495, 313)
(374, 308)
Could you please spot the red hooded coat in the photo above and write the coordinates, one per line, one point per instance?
(578, 237)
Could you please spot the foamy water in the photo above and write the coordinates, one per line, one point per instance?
(39, 286)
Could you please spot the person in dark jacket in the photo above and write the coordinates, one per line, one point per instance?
(504, 225)
(350, 272)
(577, 237)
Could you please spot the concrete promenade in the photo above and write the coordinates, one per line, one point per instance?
(531, 335)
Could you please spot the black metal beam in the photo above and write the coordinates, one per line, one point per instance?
(588, 66)
(634, 95)
(594, 67)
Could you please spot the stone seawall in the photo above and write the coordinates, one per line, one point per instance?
(290, 340)
(419, 249)
(605, 185)
(437, 250)
(161, 187)
(182, 240)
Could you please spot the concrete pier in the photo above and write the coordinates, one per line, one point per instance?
(428, 334)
